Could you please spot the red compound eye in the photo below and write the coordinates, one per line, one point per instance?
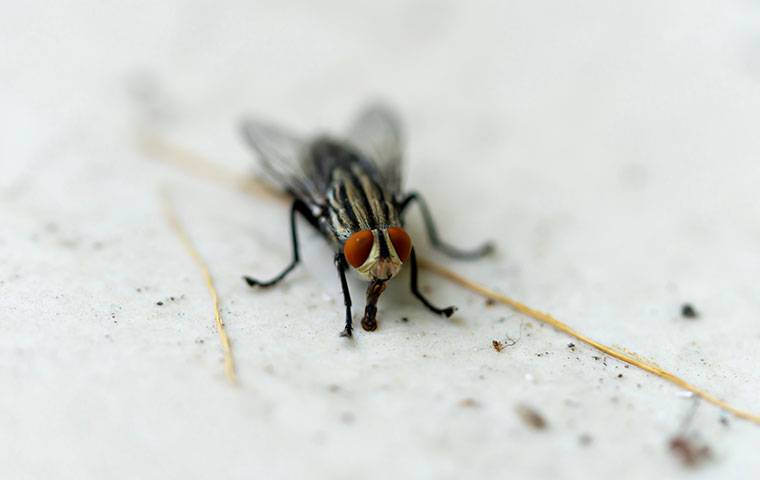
(357, 247)
(401, 242)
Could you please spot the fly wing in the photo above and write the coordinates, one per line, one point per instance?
(377, 133)
(282, 155)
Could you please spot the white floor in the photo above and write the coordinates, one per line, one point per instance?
(610, 150)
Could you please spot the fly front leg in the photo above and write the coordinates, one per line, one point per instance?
(432, 231)
(303, 209)
(340, 263)
(447, 312)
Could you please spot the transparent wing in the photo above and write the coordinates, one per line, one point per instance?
(281, 154)
(377, 132)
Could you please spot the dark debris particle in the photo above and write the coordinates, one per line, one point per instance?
(404, 319)
(620, 375)
(688, 311)
(531, 417)
(585, 439)
(689, 451)
(490, 302)
(160, 304)
(571, 346)
(497, 345)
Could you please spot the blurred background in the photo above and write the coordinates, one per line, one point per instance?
(609, 149)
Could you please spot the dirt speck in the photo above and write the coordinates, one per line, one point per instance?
(159, 303)
(497, 345)
(689, 451)
(469, 403)
(347, 418)
(531, 417)
(585, 439)
(688, 311)
(490, 302)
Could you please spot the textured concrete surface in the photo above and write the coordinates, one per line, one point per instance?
(610, 150)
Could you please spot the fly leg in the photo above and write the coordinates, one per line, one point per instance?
(447, 312)
(433, 232)
(303, 209)
(340, 263)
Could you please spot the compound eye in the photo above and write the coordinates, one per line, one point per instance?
(401, 242)
(358, 247)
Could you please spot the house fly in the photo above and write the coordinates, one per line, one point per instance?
(349, 189)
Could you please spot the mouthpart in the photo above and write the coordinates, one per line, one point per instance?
(375, 289)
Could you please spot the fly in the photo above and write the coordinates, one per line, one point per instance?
(349, 190)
